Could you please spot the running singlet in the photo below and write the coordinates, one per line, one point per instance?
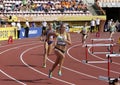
(50, 39)
(60, 39)
(112, 28)
(84, 30)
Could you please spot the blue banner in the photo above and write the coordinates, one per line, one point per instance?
(33, 32)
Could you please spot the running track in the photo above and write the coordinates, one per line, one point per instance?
(21, 63)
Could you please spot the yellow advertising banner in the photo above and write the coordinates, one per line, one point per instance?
(75, 29)
(59, 18)
(5, 33)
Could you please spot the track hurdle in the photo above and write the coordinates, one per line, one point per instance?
(107, 61)
(110, 56)
(108, 78)
(95, 45)
(102, 39)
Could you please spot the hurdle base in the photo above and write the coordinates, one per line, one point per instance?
(108, 79)
(104, 78)
(84, 61)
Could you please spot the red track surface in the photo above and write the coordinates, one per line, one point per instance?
(21, 63)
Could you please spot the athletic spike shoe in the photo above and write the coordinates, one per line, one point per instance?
(50, 74)
(44, 66)
(59, 73)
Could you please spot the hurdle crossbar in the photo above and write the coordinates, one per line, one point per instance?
(97, 62)
(95, 45)
(112, 55)
(103, 39)
(101, 52)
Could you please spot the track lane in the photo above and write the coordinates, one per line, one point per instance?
(65, 71)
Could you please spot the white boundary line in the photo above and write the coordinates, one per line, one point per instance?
(53, 62)
(100, 57)
(7, 45)
(90, 64)
(9, 50)
(12, 78)
(105, 59)
(12, 49)
(84, 74)
(21, 58)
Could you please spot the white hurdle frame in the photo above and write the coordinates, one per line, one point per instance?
(102, 39)
(113, 55)
(87, 45)
(109, 56)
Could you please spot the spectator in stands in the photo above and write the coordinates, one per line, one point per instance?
(3, 23)
(54, 25)
(67, 27)
(97, 24)
(40, 7)
(48, 45)
(117, 25)
(17, 4)
(24, 2)
(18, 29)
(27, 26)
(1, 6)
(62, 39)
(13, 24)
(109, 23)
(106, 26)
(33, 24)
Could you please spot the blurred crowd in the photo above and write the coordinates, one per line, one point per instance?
(39, 5)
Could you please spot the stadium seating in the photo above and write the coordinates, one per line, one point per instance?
(44, 7)
(109, 3)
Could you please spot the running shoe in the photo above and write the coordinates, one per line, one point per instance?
(50, 74)
(59, 73)
(44, 66)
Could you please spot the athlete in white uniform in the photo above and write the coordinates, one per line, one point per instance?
(62, 39)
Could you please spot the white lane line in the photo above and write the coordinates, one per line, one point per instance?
(9, 50)
(21, 58)
(16, 47)
(84, 74)
(12, 78)
(87, 64)
(12, 49)
(100, 57)
(104, 59)
(63, 67)
(18, 44)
